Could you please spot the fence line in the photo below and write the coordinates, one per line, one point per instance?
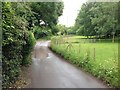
(60, 40)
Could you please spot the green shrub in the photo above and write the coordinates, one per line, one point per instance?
(11, 47)
(27, 48)
(17, 45)
(11, 59)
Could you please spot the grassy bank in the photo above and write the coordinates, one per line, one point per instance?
(98, 57)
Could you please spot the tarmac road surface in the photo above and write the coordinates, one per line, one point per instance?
(50, 71)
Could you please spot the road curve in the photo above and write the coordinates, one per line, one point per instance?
(50, 71)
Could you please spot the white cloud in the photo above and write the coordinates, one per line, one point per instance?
(70, 11)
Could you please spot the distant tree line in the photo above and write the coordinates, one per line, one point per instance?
(98, 19)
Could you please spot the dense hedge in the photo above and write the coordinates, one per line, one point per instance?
(20, 22)
(27, 48)
(17, 44)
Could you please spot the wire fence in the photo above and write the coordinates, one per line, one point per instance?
(89, 58)
(64, 43)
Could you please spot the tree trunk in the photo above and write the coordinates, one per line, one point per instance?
(113, 39)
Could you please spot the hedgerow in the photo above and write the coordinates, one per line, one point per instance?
(17, 44)
(21, 21)
(27, 48)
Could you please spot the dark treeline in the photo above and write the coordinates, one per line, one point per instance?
(20, 23)
(98, 19)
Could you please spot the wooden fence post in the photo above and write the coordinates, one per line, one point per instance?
(94, 54)
(79, 49)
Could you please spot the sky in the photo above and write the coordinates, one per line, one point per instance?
(70, 12)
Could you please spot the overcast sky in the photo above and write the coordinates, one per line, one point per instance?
(70, 11)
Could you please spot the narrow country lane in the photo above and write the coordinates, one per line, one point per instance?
(50, 71)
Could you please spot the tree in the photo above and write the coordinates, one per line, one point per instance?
(97, 19)
(62, 29)
(47, 13)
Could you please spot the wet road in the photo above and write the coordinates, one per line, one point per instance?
(50, 71)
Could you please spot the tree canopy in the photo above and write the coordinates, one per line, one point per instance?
(98, 19)
(46, 14)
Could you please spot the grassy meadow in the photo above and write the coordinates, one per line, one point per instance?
(98, 57)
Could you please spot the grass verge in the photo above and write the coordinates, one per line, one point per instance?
(99, 59)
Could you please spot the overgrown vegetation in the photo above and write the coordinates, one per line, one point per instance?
(15, 39)
(20, 23)
(100, 58)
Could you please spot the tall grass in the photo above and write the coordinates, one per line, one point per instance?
(99, 58)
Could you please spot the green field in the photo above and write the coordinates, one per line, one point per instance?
(98, 57)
